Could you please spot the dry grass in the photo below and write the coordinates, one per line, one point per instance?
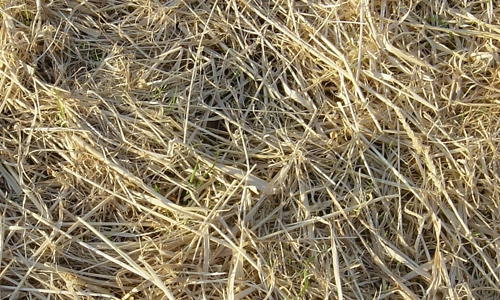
(249, 149)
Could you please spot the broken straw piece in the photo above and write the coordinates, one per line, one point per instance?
(253, 182)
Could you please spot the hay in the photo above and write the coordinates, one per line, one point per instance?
(249, 150)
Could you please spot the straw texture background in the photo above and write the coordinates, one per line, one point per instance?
(249, 149)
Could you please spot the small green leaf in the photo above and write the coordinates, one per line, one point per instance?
(193, 174)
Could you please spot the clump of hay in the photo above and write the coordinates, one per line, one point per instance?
(249, 150)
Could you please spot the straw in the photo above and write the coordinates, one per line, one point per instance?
(249, 149)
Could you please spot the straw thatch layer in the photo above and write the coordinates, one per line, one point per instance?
(249, 149)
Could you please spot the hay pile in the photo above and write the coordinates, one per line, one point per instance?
(249, 149)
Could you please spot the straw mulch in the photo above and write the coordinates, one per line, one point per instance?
(249, 149)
